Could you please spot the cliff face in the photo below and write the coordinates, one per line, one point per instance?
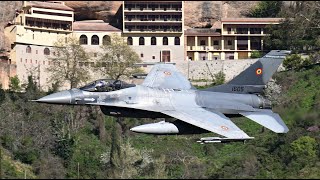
(7, 14)
(197, 13)
(103, 10)
(202, 13)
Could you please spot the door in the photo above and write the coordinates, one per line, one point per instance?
(165, 56)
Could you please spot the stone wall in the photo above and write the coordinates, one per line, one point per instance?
(201, 72)
(206, 69)
(6, 71)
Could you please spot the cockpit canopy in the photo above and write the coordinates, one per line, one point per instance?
(106, 85)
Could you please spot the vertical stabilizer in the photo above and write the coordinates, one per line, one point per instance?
(255, 77)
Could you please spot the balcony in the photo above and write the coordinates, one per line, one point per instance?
(153, 30)
(153, 9)
(203, 48)
(153, 20)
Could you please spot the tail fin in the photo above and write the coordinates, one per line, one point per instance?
(255, 77)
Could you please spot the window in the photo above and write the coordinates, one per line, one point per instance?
(83, 39)
(176, 41)
(106, 40)
(141, 41)
(36, 51)
(165, 41)
(28, 49)
(153, 57)
(153, 41)
(46, 51)
(129, 41)
(141, 55)
(202, 43)
(229, 30)
(229, 42)
(94, 40)
(20, 59)
(216, 43)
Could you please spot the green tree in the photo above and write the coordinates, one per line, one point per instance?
(15, 84)
(266, 9)
(66, 62)
(219, 78)
(300, 31)
(295, 62)
(118, 59)
(305, 147)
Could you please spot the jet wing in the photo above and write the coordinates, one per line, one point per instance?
(212, 121)
(268, 119)
(166, 76)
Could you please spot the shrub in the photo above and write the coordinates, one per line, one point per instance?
(295, 62)
(256, 54)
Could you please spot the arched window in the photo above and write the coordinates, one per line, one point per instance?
(94, 40)
(129, 41)
(153, 41)
(141, 41)
(106, 40)
(165, 41)
(28, 49)
(176, 41)
(46, 51)
(83, 39)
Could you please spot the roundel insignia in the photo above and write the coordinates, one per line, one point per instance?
(259, 71)
(224, 128)
(167, 73)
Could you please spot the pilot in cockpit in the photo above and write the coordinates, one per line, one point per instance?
(106, 85)
(102, 86)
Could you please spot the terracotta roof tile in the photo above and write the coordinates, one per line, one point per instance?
(93, 26)
(201, 31)
(251, 19)
(49, 5)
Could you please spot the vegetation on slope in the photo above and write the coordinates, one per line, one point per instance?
(64, 141)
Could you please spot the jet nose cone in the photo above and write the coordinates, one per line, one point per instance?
(63, 97)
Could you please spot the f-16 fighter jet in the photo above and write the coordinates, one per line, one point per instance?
(166, 93)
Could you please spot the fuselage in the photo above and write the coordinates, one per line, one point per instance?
(145, 102)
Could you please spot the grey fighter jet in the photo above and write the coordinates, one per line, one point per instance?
(166, 93)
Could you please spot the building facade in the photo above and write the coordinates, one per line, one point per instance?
(154, 29)
(236, 38)
(35, 30)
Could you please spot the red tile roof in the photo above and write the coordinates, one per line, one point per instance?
(49, 5)
(256, 20)
(201, 31)
(94, 25)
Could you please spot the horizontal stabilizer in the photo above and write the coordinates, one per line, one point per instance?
(267, 119)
